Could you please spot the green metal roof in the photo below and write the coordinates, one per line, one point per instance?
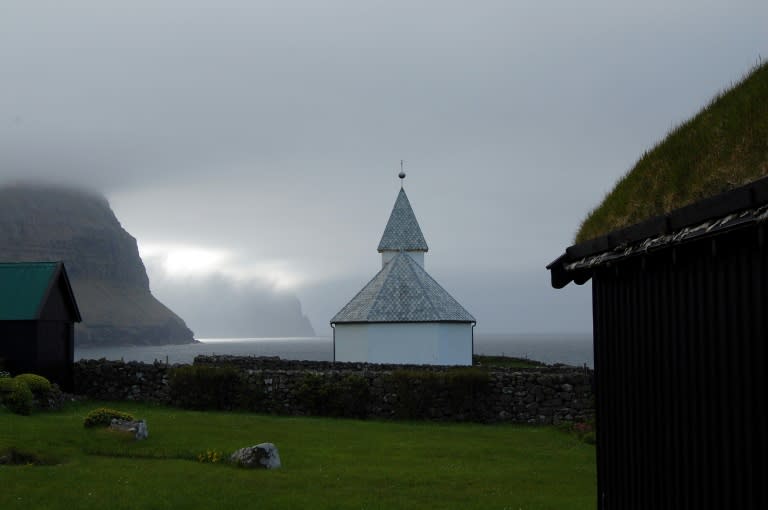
(23, 286)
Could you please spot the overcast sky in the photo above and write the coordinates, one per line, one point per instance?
(262, 140)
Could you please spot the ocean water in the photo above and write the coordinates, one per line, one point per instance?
(571, 349)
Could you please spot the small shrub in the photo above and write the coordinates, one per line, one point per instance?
(585, 431)
(12, 456)
(103, 416)
(206, 387)
(7, 385)
(19, 399)
(45, 395)
(52, 400)
(39, 385)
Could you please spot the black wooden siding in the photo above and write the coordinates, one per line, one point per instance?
(45, 346)
(680, 367)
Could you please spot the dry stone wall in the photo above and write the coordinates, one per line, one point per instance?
(544, 395)
(118, 380)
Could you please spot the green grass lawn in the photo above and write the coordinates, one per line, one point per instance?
(327, 463)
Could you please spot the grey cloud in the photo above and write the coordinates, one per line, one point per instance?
(274, 129)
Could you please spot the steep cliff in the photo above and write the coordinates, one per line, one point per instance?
(108, 277)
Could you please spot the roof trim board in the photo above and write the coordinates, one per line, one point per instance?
(70, 293)
(731, 210)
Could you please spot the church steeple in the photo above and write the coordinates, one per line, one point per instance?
(402, 232)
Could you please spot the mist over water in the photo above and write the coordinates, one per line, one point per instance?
(571, 349)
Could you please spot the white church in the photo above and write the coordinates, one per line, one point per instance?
(403, 315)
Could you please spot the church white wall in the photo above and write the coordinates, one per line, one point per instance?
(455, 343)
(430, 343)
(351, 342)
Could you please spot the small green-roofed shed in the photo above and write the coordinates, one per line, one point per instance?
(37, 315)
(24, 287)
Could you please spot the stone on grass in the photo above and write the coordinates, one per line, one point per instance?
(260, 456)
(137, 428)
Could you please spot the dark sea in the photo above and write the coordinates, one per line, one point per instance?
(570, 349)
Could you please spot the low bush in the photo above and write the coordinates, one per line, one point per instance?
(323, 395)
(13, 456)
(17, 397)
(52, 400)
(7, 385)
(39, 385)
(206, 387)
(585, 431)
(420, 391)
(44, 394)
(103, 416)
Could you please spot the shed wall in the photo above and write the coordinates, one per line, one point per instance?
(55, 351)
(18, 345)
(681, 389)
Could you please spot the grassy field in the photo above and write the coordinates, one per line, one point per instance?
(327, 463)
(505, 362)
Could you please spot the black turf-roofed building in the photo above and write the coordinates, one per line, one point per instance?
(37, 315)
(680, 314)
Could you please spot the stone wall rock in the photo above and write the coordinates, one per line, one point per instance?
(542, 395)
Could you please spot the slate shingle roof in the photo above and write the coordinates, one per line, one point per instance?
(402, 292)
(402, 231)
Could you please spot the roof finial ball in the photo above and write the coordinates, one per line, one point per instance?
(401, 174)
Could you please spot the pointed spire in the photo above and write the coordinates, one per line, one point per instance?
(402, 231)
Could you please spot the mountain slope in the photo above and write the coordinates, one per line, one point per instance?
(724, 146)
(108, 277)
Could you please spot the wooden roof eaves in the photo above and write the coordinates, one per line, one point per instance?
(59, 272)
(736, 200)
